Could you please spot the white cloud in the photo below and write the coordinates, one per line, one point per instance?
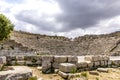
(47, 10)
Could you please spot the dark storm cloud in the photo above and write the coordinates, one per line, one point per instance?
(31, 17)
(75, 14)
(86, 13)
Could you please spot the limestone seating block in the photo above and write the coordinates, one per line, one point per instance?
(60, 59)
(102, 70)
(93, 73)
(89, 64)
(63, 75)
(88, 58)
(97, 63)
(56, 65)
(30, 58)
(82, 65)
(39, 62)
(106, 58)
(29, 63)
(109, 62)
(72, 59)
(93, 58)
(106, 63)
(21, 62)
(96, 58)
(47, 58)
(20, 58)
(2, 60)
(102, 63)
(46, 67)
(10, 58)
(67, 67)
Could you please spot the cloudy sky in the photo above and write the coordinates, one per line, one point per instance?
(69, 18)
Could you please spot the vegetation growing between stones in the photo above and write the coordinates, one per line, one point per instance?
(2, 67)
(73, 70)
(85, 74)
(33, 78)
(34, 60)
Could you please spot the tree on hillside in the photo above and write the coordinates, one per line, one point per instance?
(5, 27)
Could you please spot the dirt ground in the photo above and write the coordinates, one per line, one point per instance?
(113, 74)
(39, 74)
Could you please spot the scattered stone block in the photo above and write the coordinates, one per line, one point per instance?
(47, 67)
(39, 68)
(93, 73)
(60, 59)
(63, 75)
(18, 73)
(71, 76)
(68, 67)
(102, 70)
(56, 71)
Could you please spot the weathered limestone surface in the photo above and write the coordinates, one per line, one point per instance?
(60, 59)
(47, 64)
(46, 67)
(93, 72)
(47, 58)
(102, 70)
(19, 73)
(63, 75)
(72, 59)
(19, 58)
(67, 67)
(81, 65)
(97, 63)
(2, 60)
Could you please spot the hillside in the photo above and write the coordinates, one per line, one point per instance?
(58, 45)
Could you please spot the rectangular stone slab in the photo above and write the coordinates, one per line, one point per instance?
(67, 67)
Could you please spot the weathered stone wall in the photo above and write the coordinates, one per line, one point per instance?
(90, 62)
(51, 62)
(12, 47)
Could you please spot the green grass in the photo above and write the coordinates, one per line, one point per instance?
(84, 74)
(33, 78)
(2, 67)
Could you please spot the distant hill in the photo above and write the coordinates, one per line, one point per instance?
(58, 45)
